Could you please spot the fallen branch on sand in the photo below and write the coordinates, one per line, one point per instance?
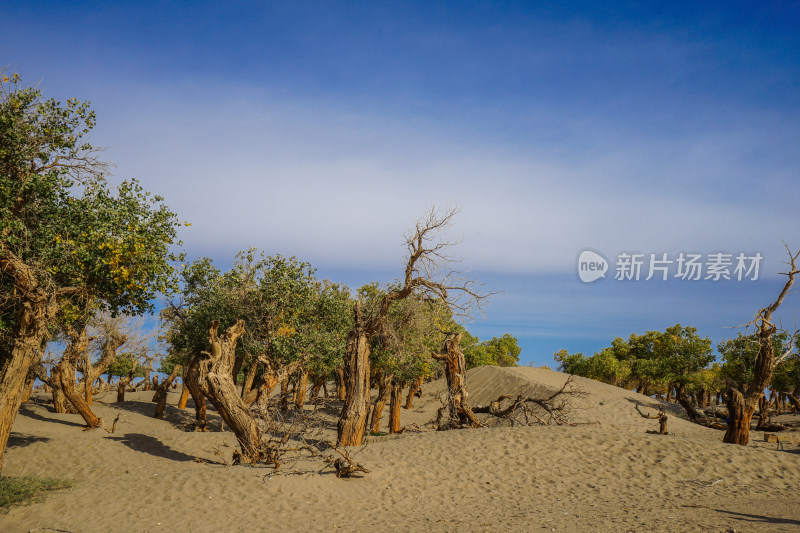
(526, 410)
(661, 417)
(345, 466)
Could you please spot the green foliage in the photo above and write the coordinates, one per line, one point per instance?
(653, 360)
(575, 363)
(497, 351)
(80, 238)
(739, 357)
(412, 332)
(16, 490)
(288, 314)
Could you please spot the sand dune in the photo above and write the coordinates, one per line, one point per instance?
(605, 475)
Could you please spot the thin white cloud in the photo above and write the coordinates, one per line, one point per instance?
(339, 185)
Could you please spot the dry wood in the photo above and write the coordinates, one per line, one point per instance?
(661, 417)
(345, 466)
(552, 409)
(742, 403)
(460, 414)
(217, 384)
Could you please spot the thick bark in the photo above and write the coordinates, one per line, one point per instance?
(384, 393)
(217, 384)
(161, 393)
(300, 389)
(412, 392)
(184, 396)
(742, 403)
(394, 407)
(192, 380)
(66, 376)
(740, 414)
(353, 420)
(52, 385)
(34, 311)
(455, 369)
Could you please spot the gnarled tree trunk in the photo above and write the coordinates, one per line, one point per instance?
(742, 403)
(455, 368)
(319, 382)
(33, 314)
(353, 420)
(192, 380)
(91, 371)
(66, 376)
(217, 384)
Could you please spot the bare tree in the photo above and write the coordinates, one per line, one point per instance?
(425, 276)
(109, 334)
(742, 403)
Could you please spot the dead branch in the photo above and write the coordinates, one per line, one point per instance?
(345, 466)
(661, 417)
(526, 410)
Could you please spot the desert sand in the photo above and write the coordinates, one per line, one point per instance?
(607, 474)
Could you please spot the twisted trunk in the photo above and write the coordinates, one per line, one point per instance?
(455, 367)
(34, 310)
(217, 384)
(319, 382)
(742, 403)
(353, 420)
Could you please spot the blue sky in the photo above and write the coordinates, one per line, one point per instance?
(324, 129)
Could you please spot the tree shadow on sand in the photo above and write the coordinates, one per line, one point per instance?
(31, 412)
(760, 518)
(17, 440)
(179, 418)
(151, 445)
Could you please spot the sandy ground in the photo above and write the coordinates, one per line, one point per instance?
(607, 475)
